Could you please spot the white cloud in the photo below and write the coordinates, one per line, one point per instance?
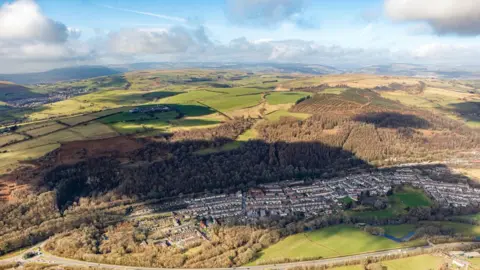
(268, 12)
(296, 51)
(28, 38)
(22, 21)
(461, 17)
(157, 41)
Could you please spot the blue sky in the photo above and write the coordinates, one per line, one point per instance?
(49, 33)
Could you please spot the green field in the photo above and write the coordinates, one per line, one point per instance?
(475, 262)
(250, 134)
(455, 104)
(398, 204)
(423, 262)
(229, 103)
(37, 147)
(412, 198)
(275, 116)
(330, 242)
(285, 97)
(191, 96)
(52, 127)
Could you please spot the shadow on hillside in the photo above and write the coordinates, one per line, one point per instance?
(160, 95)
(393, 120)
(468, 110)
(10, 115)
(13, 92)
(168, 169)
(110, 81)
(128, 100)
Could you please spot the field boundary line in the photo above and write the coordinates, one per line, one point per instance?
(65, 128)
(222, 113)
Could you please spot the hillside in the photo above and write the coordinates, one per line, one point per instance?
(11, 92)
(61, 74)
(131, 154)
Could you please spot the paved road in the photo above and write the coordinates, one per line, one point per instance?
(54, 260)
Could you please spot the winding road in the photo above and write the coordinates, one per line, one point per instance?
(54, 260)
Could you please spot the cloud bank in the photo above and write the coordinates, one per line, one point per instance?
(164, 41)
(460, 17)
(29, 40)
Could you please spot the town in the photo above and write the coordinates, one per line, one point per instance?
(55, 96)
(192, 216)
(318, 197)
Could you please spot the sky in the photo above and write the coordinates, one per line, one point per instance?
(44, 34)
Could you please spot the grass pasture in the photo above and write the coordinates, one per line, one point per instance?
(191, 97)
(275, 116)
(411, 197)
(52, 127)
(250, 134)
(10, 159)
(422, 262)
(459, 105)
(330, 242)
(11, 137)
(285, 97)
(398, 204)
(94, 130)
(475, 262)
(78, 119)
(37, 147)
(127, 123)
(230, 103)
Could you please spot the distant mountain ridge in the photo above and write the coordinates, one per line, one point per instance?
(254, 67)
(395, 69)
(60, 74)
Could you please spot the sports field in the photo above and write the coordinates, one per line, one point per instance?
(326, 243)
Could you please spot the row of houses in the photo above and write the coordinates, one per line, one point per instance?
(317, 197)
(320, 197)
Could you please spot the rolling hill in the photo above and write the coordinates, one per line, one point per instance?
(61, 74)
